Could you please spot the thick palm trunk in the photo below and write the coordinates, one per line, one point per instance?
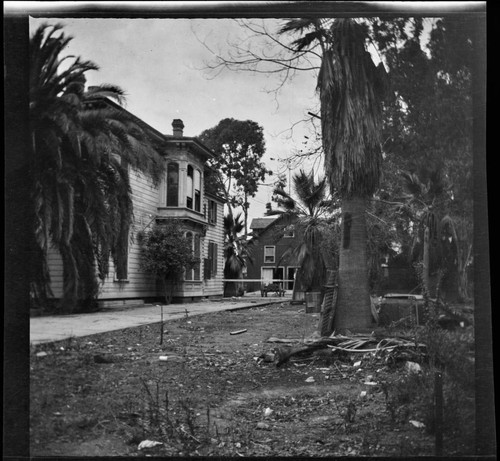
(353, 310)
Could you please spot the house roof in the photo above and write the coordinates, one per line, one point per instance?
(262, 223)
(193, 142)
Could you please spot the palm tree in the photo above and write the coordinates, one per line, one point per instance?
(236, 250)
(81, 149)
(351, 89)
(440, 237)
(309, 214)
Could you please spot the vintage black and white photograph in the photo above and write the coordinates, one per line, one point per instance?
(251, 229)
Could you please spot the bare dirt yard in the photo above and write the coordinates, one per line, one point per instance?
(221, 394)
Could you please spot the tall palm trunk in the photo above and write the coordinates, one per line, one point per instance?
(353, 305)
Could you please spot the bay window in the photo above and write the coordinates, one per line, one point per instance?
(189, 187)
(197, 190)
(173, 184)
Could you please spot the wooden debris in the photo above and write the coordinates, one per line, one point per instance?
(349, 344)
(284, 340)
(238, 332)
(329, 304)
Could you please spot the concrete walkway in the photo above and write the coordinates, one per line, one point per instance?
(48, 329)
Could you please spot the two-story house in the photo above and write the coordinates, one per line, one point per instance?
(181, 195)
(270, 259)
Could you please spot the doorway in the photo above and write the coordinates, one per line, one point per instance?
(279, 274)
(290, 275)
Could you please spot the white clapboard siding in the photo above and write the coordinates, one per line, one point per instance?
(146, 199)
(214, 285)
(139, 284)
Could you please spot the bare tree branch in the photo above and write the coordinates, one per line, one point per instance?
(259, 50)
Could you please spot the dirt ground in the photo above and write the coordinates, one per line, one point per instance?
(220, 394)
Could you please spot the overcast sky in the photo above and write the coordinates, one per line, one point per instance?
(160, 63)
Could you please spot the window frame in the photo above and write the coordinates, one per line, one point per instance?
(212, 212)
(189, 190)
(197, 251)
(168, 186)
(197, 192)
(211, 260)
(190, 275)
(273, 255)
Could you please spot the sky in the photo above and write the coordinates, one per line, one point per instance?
(161, 65)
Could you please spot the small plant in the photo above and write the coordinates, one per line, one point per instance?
(350, 412)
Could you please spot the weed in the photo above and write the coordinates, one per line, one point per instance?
(175, 422)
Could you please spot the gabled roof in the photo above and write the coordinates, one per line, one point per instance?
(192, 142)
(262, 223)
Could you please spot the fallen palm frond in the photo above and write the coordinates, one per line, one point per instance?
(387, 344)
(350, 344)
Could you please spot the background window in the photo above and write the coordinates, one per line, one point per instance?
(269, 254)
(173, 184)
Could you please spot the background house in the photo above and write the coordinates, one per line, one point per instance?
(181, 195)
(271, 240)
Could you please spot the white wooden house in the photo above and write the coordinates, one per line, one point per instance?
(180, 195)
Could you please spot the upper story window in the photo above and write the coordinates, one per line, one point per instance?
(289, 232)
(269, 254)
(173, 184)
(212, 212)
(197, 190)
(193, 189)
(189, 187)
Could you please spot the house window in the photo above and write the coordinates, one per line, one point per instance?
(269, 254)
(197, 247)
(211, 262)
(189, 273)
(173, 184)
(189, 187)
(193, 189)
(197, 190)
(289, 233)
(212, 212)
(194, 273)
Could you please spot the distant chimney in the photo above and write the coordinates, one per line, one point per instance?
(178, 126)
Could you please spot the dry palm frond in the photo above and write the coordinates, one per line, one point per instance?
(351, 93)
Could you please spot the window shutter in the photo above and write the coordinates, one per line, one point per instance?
(214, 259)
(207, 268)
